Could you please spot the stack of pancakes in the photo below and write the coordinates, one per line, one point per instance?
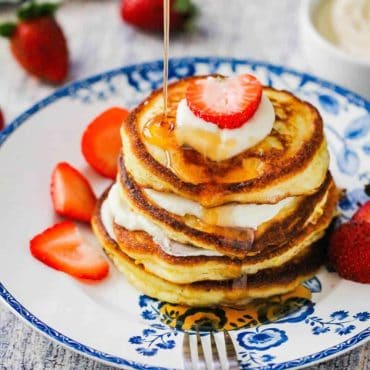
(200, 258)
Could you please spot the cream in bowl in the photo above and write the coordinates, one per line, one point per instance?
(336, 37)
(346, 23)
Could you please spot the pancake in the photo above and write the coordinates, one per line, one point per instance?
(291, 161)
(141, 247)
(235, 292)
(230, 241)
(159, 222)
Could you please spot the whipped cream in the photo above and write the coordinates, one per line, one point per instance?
(346, 23)
(115, 209)
(230, 215)
(219, 144)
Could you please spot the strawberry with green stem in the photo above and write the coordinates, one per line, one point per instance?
(38, 42)
(148, 14)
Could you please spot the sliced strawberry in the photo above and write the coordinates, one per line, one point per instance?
(101, 141)
(363, 213)
(62, 248)
(226, 102)
(71, 193)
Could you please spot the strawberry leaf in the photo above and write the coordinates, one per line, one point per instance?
(7, 29)
(188, 10)
(182, 6)
(185, 7)
(33, 10)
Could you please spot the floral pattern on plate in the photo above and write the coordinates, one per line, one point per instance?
(262, 335)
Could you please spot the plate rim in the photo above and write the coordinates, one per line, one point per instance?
(15, 306)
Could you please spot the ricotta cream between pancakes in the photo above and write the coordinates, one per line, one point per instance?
(115, 209)
(230, 215)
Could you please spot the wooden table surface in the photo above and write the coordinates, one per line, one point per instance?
(98, 40)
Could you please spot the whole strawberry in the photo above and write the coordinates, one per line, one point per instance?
(148, 14)
(349, 251)
(363, 213)
(38, 42)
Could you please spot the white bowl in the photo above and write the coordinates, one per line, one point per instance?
(327, 60)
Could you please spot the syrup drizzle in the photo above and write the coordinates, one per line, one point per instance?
(166, 38)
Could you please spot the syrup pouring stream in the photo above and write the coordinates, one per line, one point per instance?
(166, 37)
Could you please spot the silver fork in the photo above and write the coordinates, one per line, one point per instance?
(211, 351)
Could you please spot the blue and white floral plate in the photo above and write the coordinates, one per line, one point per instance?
(110, 321)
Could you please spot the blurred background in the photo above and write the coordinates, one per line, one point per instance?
(98, 39)
(330, 38)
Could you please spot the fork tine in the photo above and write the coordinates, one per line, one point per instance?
(231, 353)
(190, 352)
(220, 348)
(205, 340)
(194, 353)
(186, 351)
(200, 351)
(215, 356)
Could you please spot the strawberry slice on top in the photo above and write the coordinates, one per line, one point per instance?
(62, 248)
(226, 102)
(71, 193)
